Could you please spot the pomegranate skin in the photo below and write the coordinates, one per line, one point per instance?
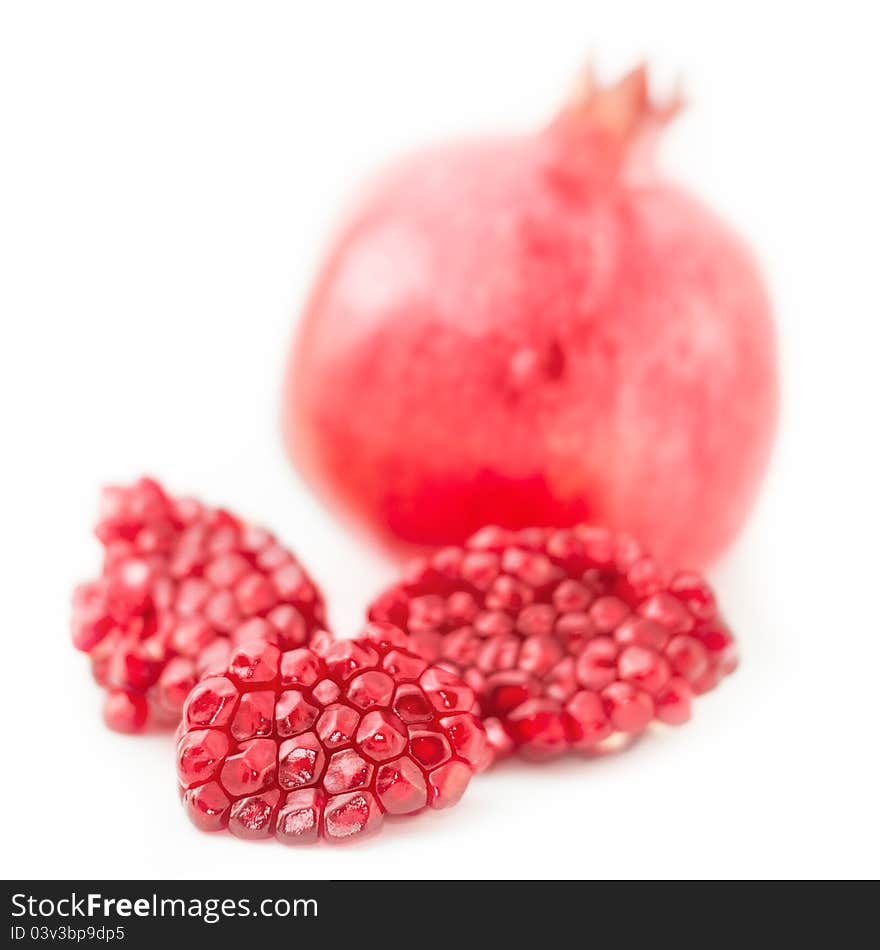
(538, 330)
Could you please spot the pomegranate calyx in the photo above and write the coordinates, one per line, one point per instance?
(620, 118)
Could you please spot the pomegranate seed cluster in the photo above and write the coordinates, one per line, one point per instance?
(534, 641)
(323, 741)
(568, 637)
(181, 585)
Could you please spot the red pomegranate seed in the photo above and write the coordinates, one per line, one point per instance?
(587, 723)
(538, 729)
(673, 702)
(630, 709)
(643, 667)
(125, 712)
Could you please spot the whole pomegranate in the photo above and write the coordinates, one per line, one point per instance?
(538, 330)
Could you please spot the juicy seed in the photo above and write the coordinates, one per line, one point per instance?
(322, 742)
(570, 638)
(181, 583)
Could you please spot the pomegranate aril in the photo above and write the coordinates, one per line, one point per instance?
(504, 692)
(696, 595)
(571, 597)
(256, 629)
(251, 769)
(596, 666)
(254, 716)
(344, 658)
(687, 657)
(643, 667)
(708, 680)
(299, 668)
(253, 817)
(337, 725)
(629, 708)
(190, 636)
(347, 771)
(561, 683)
(480, 569)
(373, 688)
(293, 712)
(300, 761)
(446, 692)
(207, 806)
(500, 741)
(607, 613)
(401, 787)
(461, 606)
(403, 665)
(536, 620)
(673, 702)
(356, 814)
(448, 783)
(200, 755)
(586, 722)
(506, 593)
(173, 686)
(326, 692)
(411, 705)
(381, 736)
(430, 748)
(538, 729)
(468, 739)
(533, 569)
(124, 711)
(646, 633)
(668, 611)
(493, 623)
(299, 818)
(211, 703)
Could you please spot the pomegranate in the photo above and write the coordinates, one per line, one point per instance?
(538, 330)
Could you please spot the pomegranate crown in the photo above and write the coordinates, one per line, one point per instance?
(621, 120)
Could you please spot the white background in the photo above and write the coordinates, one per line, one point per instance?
(168, 175)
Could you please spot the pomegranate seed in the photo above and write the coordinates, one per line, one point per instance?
(401, 787)
(596, 666)
(586, 721)
(125, 712)
(348, 816)
(429, 748)
(643, 667)
(208, 806)
(629, 709)
(538, 729)
(688, 657)
(252, 817)
(448, 784)
(673, 702)
(299, 818)
(500, 741)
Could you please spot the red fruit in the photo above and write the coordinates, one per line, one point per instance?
(567, 636)
(263, 750)
(538, 330)
(180, 584)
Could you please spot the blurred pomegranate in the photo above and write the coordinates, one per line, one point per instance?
(538, 330)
